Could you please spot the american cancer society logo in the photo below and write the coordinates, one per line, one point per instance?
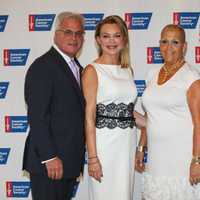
(14, 124)
(4, 153)
(3, 89)
(41, 22)
(17, 189)
(92, 19)
(154, 55)
(137, 20)
(140, 84)
(3, 21)
(187, 20)
(197, 54)
(15, 57)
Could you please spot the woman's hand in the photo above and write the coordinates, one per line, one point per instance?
(194, 173)
(141, 150)
(95, 169)
(139, 162)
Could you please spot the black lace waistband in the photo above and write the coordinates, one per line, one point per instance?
(115, 115)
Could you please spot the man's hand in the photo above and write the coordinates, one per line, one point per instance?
(55, 168)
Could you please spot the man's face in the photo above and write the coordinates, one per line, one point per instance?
(69, 36)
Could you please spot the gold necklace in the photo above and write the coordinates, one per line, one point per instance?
(168, 73)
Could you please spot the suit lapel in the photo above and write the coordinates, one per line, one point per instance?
(66, 69)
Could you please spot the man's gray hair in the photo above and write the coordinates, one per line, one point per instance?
(69, 15)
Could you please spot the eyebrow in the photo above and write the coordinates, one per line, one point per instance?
(111, 33)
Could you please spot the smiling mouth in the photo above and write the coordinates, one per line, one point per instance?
(169, 54)
(73, 44)
(112, 47)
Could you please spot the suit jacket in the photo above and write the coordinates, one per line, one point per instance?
(55, 107)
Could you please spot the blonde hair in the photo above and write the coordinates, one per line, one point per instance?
(124, 54)
(68, 15)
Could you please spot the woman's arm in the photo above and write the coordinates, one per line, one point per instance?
(142, 147)
(90, 84)
(193, 97)
(139, 119)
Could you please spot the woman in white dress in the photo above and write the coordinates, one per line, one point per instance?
(172, 104)
(110, 95)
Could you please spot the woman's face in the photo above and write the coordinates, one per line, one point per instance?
(172, 46)
(111, 40)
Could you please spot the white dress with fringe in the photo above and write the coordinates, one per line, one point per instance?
(170, 135)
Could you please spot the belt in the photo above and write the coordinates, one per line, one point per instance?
(115, 115)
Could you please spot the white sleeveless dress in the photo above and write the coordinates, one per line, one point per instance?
(115, 140)
(170, 132)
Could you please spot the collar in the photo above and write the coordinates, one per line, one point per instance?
(66, 58)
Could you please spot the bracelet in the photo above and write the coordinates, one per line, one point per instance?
(141, 148)
(92, 157)
(196, 160)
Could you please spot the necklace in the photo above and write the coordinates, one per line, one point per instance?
(171, 71)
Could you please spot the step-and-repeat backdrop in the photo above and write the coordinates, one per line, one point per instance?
(26, 30)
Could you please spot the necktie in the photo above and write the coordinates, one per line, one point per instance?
(75, 70)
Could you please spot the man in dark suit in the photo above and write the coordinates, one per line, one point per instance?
(54, 149)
